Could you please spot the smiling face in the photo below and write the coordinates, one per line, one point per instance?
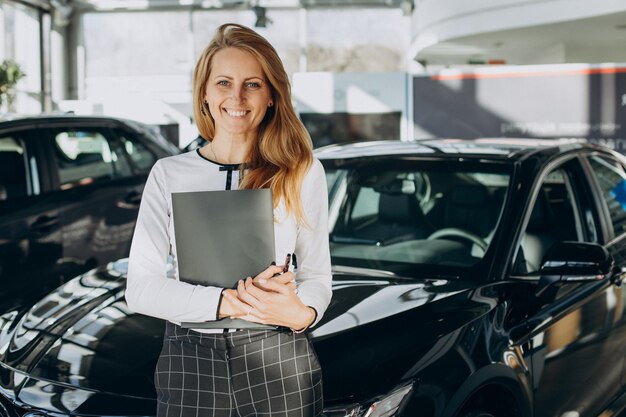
(237, 92)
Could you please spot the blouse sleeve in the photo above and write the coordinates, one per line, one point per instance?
(148, 290)
(313, 275)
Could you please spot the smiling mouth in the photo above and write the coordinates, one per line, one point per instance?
(236, 113)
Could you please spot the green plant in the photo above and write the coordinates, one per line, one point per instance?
(10, 73)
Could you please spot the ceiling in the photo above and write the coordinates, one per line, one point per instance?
(608, 31)
(109, 5)
(595, 33)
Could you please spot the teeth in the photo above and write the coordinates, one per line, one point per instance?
(236, 113)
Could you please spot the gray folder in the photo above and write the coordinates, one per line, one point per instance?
(222, 237)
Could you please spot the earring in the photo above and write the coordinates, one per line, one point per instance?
(205, 104)
(270, 104)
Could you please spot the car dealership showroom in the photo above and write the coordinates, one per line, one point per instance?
(447, 179)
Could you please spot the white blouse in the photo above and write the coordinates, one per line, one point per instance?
(149, 291)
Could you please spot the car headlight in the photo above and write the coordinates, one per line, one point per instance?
(383, 407)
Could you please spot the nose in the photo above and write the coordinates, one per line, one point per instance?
(237, 93)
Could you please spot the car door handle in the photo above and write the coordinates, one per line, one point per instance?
(131, 201)
(44, 223)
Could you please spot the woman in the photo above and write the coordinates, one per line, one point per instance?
(242, 104)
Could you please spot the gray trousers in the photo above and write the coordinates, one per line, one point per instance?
(242, 373)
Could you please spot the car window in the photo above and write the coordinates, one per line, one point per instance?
(138, 153)
(554, 218)
(332, 176)
(437, 214)
(13, 174)
(611, 178)
(366, 204)
(84, 156)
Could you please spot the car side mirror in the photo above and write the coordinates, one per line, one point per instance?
(575, 262)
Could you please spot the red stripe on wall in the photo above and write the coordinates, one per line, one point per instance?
(581, 71)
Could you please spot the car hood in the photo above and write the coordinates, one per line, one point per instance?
(83, 341)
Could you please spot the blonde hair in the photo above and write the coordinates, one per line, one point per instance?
(283, 152)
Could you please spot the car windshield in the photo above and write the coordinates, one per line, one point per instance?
(401, 214)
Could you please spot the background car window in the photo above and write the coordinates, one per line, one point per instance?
(83, 157)
(554, 218)
(332, 176)
(141, 157)
(12, 169)
(612, 180)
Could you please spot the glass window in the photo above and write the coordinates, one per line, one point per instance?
(612, 180)
(366, 204)
(141, 157)
(342, 127)
(554, 218)
(13, 178)
(332, 176)
(83, 157)
(436, 214)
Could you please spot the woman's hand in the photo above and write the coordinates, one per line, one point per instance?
(273, 300)
(232, 306)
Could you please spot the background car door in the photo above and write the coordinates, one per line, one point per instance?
(577, 358)
(100, 190)
(119, 223)
(30, 226)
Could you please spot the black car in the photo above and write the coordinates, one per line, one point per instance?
(70, 188)
(471, 279)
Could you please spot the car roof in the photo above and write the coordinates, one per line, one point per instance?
(14, 119)
(490, 148)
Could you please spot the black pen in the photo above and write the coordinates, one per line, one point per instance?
(285, 267)
(287, 261)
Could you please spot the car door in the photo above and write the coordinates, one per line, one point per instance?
(140, 156)
(576, 358)
(99, 175)
(30, 227)
(609, 176)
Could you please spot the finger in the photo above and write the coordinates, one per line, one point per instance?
(272, 285)
(257, 292)
(269, 272)
(281, 279)
(245, 296)
(253, 318)
(236, 303)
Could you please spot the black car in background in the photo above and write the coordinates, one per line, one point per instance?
(70, 188)
(471, 279)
